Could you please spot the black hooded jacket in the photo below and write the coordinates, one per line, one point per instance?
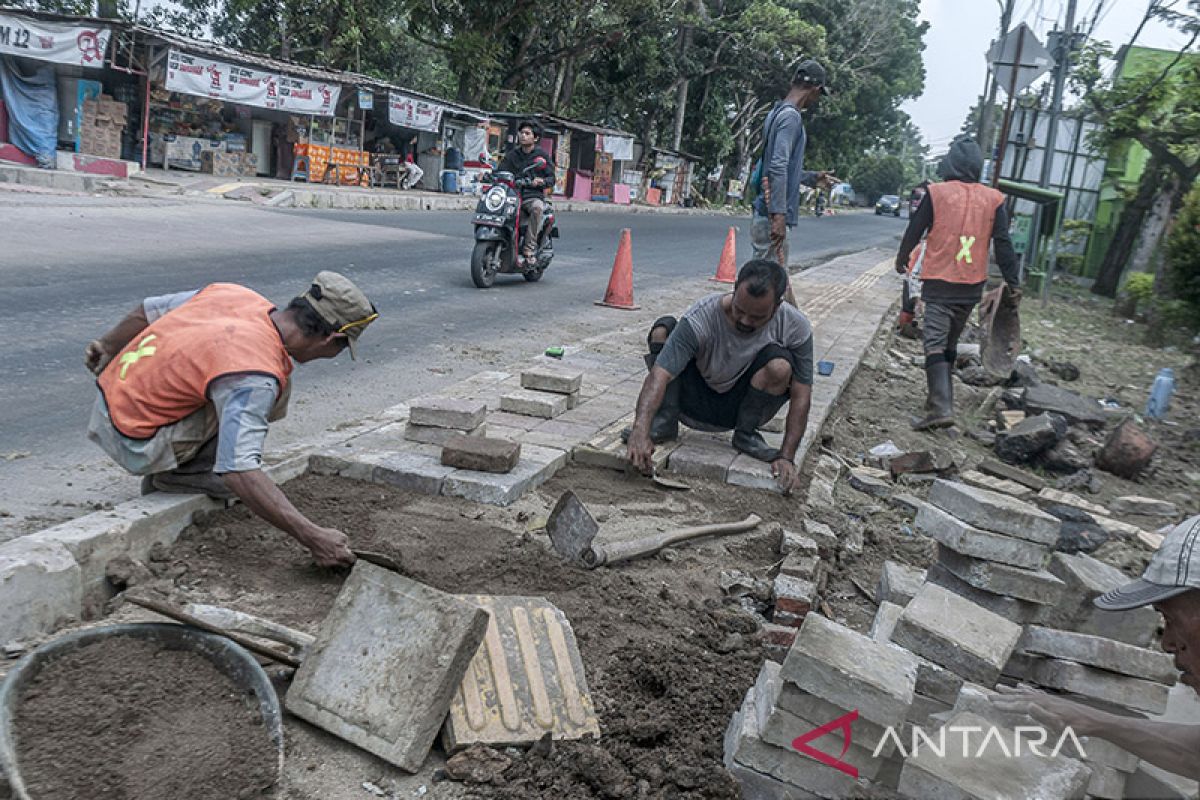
(964, 162)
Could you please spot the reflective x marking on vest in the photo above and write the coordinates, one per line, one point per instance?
(144, 350)
(967, 243)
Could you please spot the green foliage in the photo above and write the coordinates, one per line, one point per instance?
(878, 174)
(1140, 287)
(1183, 252)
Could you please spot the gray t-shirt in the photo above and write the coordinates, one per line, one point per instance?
(722, 354)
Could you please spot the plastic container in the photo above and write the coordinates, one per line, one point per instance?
(1160, 393)
(450, 181)
(825, 368)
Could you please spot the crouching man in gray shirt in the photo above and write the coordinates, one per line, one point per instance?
(730, 363)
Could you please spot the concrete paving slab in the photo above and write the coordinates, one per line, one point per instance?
(992, 484)
(966, 540)
(481, 453)
(447, 412)
(526, 680)
(537, 465)
(931, 775)
(702, 458)
(992, 511)
(898, 583)
(1034, 586)
(952, 631)
(1100, 652)
(1019, 611)
(431, 434)
(559, 381)
(544, 405)
(387, 661)
(1086, 578)
(1121, 690)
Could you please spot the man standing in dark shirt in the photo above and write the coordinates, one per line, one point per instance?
(958, 218)
(533, 203)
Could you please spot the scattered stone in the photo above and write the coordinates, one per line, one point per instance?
(1127, 451)
(1023, 374)
(552, 380)
(1144, 507)
(870, 482)
(898, 583)
(1076, 481)
(735, 583)
(447, 412)
(1003, 471)
(124, 573)
(961, 636)
(481, 453)
(981, 481)
(991, 511)
(978, 376)
(1086, 578)
(1131, 693)
(1064, 457)
(793, 542)
(1030, 438)
(1075, 409)
(1106, 783)
(823, 535)
(985, 438)
(1122, 530)
(1100, 652)
(962, 538)
(545, 405)
(854, 539)
(1065, 370)
(478, 765)
(852, 671)
(906, 503)
(805, 567)
(1079, 532)
(962, 771)
(1035, 586)
(921, 461)
(794, 598)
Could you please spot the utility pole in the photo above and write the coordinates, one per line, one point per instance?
(1062, 55)
(986, 123)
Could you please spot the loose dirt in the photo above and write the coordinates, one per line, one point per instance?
(126, 719)
(667, 658)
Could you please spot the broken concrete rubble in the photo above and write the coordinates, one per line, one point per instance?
(1074, 408)
(1029, 438)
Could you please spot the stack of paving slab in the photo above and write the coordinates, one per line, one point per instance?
(544, 393)
(797, 588)
(831, 675)
(436, 420)
(1099, 671)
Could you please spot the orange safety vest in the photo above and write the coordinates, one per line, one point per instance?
(164, 373)
(957, 243)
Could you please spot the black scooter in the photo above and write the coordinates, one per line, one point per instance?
(500, 231)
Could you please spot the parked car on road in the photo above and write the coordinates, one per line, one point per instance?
(888, 204)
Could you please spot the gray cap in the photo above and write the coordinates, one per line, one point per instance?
(812, 73)
(1173, 570)
(341, 304)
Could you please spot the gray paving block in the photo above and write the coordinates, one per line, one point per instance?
(793, 542)
(992, 511)
(884, 622)
(794, 596)
(413, 471)
(993, 484)
(805, 567)
(387, 661)
(852, 670)
(962, 538)
(1106, 783)
(823, 535)
(1100, 652)
(702, 458)
(481, 453)
(1086, 578)
(755, 785)
(545, 405)
(559, 381)
(898, 583)
(1132, 693)
(751, 474)
(1019, 611)
(447, 412)
(1105, 753)
(526, 680)
(803, 705)
(744, 746)
(41, 588)
(431, 434)
(537, 465)
(951, 775)
(1034, 586)
(780, 727)
(959, 635)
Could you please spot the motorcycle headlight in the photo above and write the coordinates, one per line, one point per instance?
(494, 199)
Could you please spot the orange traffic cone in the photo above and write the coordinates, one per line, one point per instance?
(727, 268)
(620, 285)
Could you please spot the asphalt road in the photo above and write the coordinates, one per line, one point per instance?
(72, 267)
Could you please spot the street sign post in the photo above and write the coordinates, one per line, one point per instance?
(1018, 59)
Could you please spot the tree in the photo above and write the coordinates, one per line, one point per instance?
(1159, 109)
(878, 174)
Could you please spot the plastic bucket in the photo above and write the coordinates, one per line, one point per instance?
(450, 181)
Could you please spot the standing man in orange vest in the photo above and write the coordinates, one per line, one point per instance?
(958, 218)
(189, 383)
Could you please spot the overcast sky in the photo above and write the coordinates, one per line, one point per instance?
(960, 32)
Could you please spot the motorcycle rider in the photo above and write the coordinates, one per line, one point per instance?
(533, 205)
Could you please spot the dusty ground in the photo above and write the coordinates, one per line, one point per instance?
(667, 657)
(1074, 327)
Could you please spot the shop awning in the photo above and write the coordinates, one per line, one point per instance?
(61, 39)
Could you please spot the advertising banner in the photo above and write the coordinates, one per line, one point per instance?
(60, 42)
(411, 112)
(206, 77)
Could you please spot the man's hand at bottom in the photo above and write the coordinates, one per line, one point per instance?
(786, 475)
(641, 451)
(329, 547)
(778, 228)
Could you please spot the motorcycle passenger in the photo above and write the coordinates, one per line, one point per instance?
(533, 204)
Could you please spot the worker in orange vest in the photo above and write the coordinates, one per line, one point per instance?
(189, 383)
(958, 218)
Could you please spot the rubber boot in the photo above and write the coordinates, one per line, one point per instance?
(208, 483)
(665, 425)
(751, 414)
(939, 406)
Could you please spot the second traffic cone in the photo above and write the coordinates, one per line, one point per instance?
(727, 268)
(620, 285)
